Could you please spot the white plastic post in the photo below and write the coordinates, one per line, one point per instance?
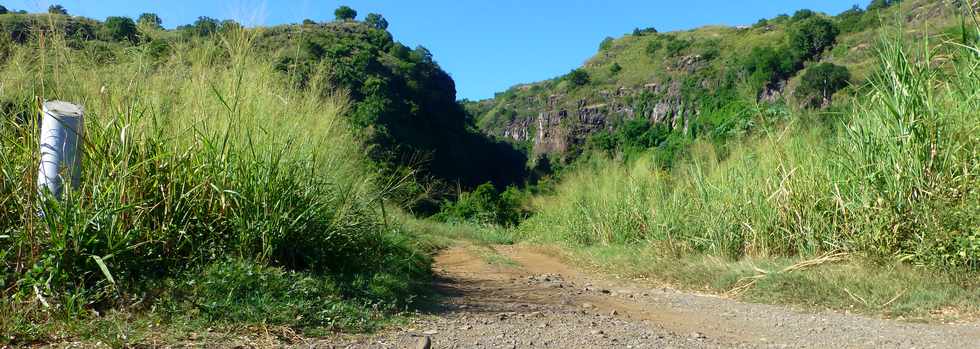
(61, 132)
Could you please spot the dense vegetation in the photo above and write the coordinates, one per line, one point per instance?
(215, 191)
(245, 176)
(891, 175)
(404, 103)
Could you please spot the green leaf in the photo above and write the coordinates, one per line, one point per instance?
(105, 270)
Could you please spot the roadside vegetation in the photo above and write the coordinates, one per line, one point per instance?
(214, 195)
(877, 196)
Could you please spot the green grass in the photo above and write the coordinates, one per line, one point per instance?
(889, 179)
(213, 194)
(892, 290)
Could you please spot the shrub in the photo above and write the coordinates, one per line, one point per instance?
(810, 37)
(150, 21)
(803, 14)
(766, 65)
(644, 31)
(578, 77)
(674, 46)
(653, 46)
(120, 29)
(485, 205)
(615, 68)
(606, 43)
(819, 84)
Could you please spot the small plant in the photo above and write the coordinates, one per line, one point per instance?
(615, 68)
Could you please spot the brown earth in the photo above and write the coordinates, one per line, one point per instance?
(522, 297)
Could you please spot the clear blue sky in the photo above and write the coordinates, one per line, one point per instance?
(486, 45)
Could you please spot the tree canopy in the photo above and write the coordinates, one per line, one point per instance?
(150, 20)
(820, 82)
(57, 10)
(3, 10)
(377, 21)
(578, 77)
(120, 29)
(345, 13)
(809, 37)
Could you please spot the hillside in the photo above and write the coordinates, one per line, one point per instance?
(402, 103)
(703, 81)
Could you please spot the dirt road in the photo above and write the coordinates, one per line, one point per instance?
(519, 297)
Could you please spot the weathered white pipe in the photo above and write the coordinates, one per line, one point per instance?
(61, 133)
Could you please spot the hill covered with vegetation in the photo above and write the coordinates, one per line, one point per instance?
(253, 177)
(651, 89)
(232, 176)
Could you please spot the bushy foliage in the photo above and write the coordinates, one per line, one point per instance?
(3, 10)
(403, 102)
(485, 205)
(819, 83)
(57, 10)
(578, 77)
(855, 19)
(377, 21)
(875, 5)
(644, 31)
(810, 37)
(345, 13)
(615, 68)
(803, 14)
(672, 45)
(606, 43)
(767, 64)
(150, 21)
(120, 29)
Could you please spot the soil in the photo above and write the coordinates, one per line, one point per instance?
(532, 299)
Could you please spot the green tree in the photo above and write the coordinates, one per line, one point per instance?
(345, 13)
(205, 26)
(803, 14)
(120, 29)
(57, 10)
(377, 21)
(578, 77)
(819, 84)
(766, 64)
(810, 37)
(3, 10)
(150, 21)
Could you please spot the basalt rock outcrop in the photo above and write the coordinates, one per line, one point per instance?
(557, 123)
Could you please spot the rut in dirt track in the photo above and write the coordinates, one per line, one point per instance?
(541, 301)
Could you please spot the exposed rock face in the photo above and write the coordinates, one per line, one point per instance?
(556, 123)
(772, 92)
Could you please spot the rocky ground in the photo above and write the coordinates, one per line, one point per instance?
(529, 299)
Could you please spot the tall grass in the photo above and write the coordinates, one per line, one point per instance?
(192, 160)
(898, 180)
